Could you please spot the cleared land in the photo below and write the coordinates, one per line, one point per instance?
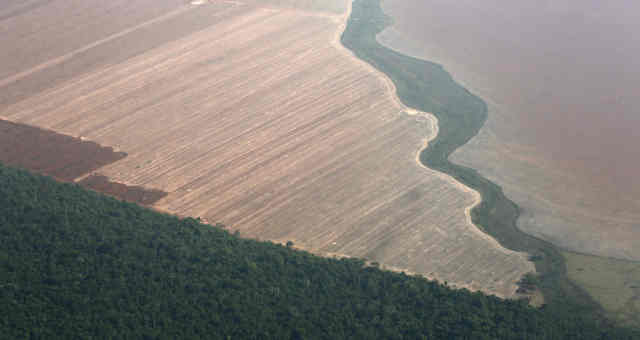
(125, 192)
(67, 159)
(254, 116)
(553, 205)
(562, 142)
(62, 157)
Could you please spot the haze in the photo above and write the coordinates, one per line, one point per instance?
(565, 76)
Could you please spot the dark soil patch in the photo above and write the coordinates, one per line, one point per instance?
(135, 194)
(66, 158)
(46, 152)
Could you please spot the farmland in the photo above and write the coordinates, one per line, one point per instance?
(547, 143)
(254, 116)
(67, 159)
(553, 205)
(429, 87)
(75, 264)
(62, 157)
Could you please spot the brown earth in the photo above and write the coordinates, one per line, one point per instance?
(67, 159)
(256, 117)
(128, 193)
(50, 153)
(561, 82)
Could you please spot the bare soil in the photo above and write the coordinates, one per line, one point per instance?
(67, 159)
(256, 118)
(562, 128)
(50, 153)
(135, 194)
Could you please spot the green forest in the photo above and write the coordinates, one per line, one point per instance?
(75, 264)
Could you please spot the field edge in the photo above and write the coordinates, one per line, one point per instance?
(460, 118)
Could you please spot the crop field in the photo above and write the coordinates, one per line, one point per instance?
(575, 189)
(252, 115)
(556, 206)
(62, 157)
(566, 277)
(67, 159)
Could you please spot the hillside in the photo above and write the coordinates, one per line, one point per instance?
(75, 264)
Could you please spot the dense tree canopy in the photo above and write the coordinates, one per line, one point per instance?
(75, 264)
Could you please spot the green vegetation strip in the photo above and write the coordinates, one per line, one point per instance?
(428, 87)
(78, 265)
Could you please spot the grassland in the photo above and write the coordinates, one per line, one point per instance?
(253, 115)
(428, 87)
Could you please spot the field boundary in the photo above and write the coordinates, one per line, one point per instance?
(427, 87)
(434, 122)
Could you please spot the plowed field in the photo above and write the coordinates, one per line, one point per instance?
(254, 116)
(67, 159)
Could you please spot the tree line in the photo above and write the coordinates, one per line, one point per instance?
(75, 264)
